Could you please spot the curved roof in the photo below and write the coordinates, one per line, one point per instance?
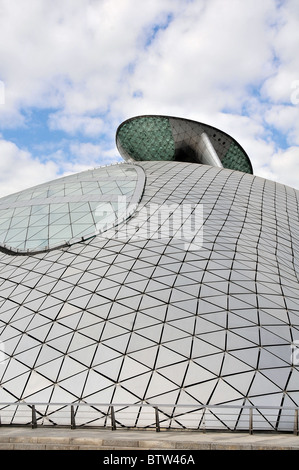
(153, 137)
(140, 318)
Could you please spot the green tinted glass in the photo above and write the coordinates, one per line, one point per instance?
(236, 160)
(148, 138)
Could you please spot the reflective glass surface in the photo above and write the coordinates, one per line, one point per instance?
(147, 138)
(69, 209)
(166, 138)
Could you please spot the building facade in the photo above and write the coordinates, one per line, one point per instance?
(169, 281)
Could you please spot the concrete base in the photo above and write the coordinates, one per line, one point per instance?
(24, 438)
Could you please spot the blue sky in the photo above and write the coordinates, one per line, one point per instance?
(72, 71)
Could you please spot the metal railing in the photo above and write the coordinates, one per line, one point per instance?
(152, 416)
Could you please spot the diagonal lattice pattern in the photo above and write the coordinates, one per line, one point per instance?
(129, 319)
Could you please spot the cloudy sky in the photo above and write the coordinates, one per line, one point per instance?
(72, 70)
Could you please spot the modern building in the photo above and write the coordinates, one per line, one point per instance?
(163, 286)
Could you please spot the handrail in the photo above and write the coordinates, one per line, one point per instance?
(110, 411)
(150, 405)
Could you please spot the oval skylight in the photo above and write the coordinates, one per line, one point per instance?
(70, 209)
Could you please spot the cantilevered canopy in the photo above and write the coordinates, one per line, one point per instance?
(165, 138)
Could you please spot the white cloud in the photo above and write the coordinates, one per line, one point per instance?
(91, 154)
(207, 57)
(284, 167)
(19, 170)
(285, 118)
(278, 87)
(73, 124)
(70, 54)
(93, 63)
